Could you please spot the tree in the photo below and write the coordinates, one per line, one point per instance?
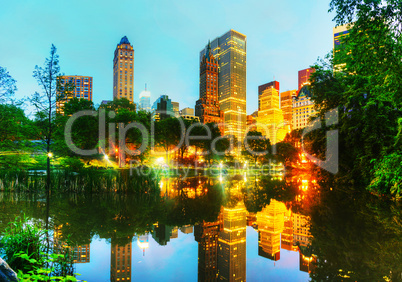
(168, 133)
(7, 85)
(84, 132)
(366, 91)
(45, 102)
(256, 145)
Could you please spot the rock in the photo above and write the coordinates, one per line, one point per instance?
(6, 273)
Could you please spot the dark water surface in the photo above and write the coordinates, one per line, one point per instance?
(233, 228)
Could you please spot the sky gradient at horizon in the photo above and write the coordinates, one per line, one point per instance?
(283, 37)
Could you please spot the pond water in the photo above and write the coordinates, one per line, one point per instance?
(238, 228)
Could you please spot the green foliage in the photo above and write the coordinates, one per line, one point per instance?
(84, 131)
(365, 90)
(256, 146)
(40, 273)
(388, 175)
(22, 237)
(26, 247)
(71, 163)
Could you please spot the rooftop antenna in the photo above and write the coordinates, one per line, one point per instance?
(145, 87)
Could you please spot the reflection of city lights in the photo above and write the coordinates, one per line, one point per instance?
(220, 178)
(160, 160)
(161, 184)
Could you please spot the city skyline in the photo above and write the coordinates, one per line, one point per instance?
(165, 58)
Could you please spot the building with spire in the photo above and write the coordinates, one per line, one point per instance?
(145, 100)
(207, 107)
(123, 70)
(230, 52)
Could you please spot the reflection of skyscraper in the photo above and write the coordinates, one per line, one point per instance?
(120, 262)
(143, 242)
(82, 254)
(287, 233)
(232, 244)
(230, 52)
(175, 233)
(162, 233)
(207, 234)
(301, 230)
(307, 263)
(270, 225)
(186, 229)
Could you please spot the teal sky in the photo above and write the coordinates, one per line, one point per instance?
(282, 37)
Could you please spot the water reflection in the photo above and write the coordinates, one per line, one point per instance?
(300, 229)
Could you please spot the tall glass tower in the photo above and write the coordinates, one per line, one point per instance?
(230, 51)
(145, 100)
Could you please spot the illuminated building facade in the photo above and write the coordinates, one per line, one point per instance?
(123, 70)
(207, 235)
(207, 107)
(81, 88)
(230, 52)
(301, 230)
(303, 107)
(287, 107)
(270, 116)
(232, 244)
(339, 33)
(145, 100)
(82, 254)
(187, 229)
(176, 110)
(287, 233)
(270, 223)
(120, 262)
(251, 121)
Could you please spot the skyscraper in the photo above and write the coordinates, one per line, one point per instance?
(207, 107)
(270, 116)
(163, 107)
(145, 100)
(230, 52)
(339, 33)
(123, 70)
(81, 89)
(286, 107)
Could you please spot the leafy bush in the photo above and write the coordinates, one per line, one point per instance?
(28, 250)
